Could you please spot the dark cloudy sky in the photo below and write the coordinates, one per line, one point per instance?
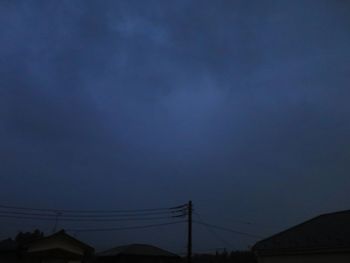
(241, 106)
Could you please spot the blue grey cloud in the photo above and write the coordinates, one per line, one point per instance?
(240, 106)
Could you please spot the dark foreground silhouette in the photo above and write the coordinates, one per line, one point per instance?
(225, 257)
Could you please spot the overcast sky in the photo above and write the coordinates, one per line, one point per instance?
(241, 106)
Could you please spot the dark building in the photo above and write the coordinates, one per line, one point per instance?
(58, 248)
(137, 253)
(323, 239)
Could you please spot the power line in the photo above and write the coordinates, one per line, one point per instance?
(179, 207)
(224, 241)
(59, 218)
(124, 228)
(227, 229)
(64, 215)
(102, 216)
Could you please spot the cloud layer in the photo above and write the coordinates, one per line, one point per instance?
(242, 107)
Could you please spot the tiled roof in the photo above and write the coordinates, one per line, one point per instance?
(328, 231)
(62, 234)
(136, 250)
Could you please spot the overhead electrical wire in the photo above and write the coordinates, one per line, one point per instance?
(216, 235)
(83, 220)
(103, 216)
(18, 212)
(93, 211)
(77, 230)
(174, 213)
(227, 229)
(167, 215)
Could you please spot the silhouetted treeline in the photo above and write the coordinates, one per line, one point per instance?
(27, 237)
(225, 257)
(21, 240)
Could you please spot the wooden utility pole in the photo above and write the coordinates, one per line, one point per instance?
(189, 245)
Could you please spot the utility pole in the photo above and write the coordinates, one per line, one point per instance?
(189, 245)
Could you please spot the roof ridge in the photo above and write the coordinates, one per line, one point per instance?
(298, 226)
(336, 212)
(137, 248)
(63, 232)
